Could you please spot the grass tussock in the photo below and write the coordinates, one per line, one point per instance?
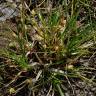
(53, 47)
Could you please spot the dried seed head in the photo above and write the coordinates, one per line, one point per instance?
(33, 12)
(14, 35)
(26, 27)
(12, 90)
(45, 46)
(70, 67)
(29, 81)
(56, 48)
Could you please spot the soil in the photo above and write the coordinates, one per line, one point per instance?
(5, 34)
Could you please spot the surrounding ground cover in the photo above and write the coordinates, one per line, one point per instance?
(51, 50)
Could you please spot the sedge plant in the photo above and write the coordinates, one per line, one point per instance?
(50, 44)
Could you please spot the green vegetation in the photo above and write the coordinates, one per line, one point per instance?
(48, 48)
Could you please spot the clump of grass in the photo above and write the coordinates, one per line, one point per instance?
(49, 46)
